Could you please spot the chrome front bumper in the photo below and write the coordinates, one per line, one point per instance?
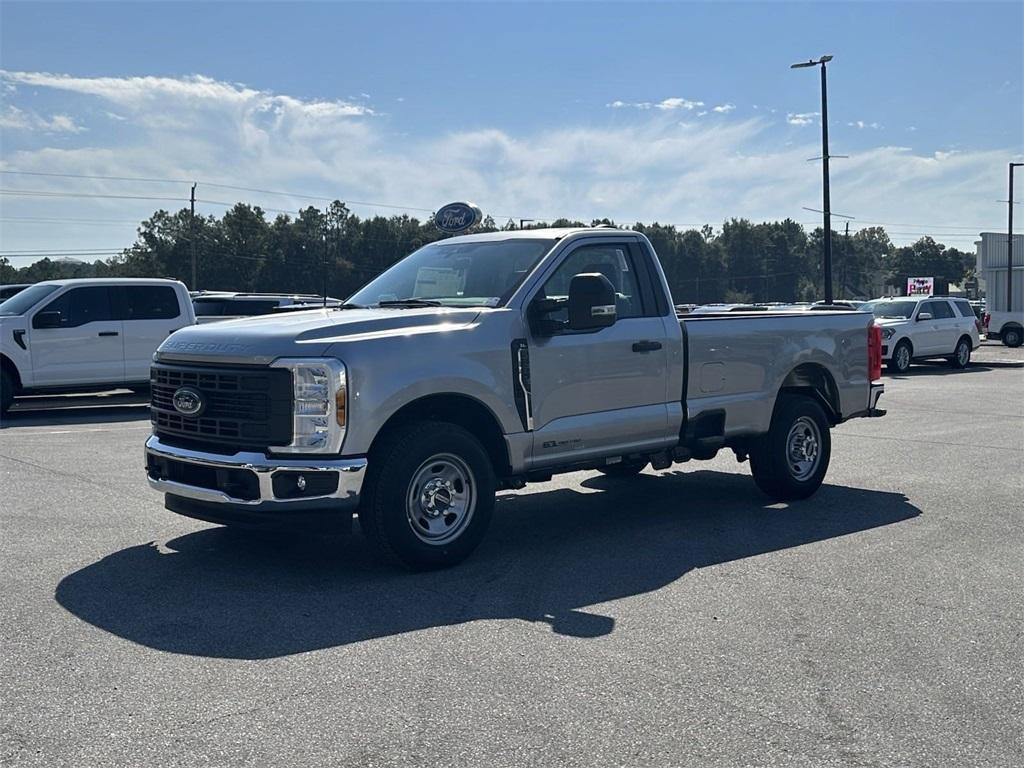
(350, 473)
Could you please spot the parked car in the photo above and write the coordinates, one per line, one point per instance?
(86, 334)
(212, 306)
(919, 328)
(6, 291)
(485, 362)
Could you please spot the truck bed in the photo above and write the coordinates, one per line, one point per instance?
(738, 361)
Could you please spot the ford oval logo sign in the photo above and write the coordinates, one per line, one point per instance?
(188, 402)
(457, 217)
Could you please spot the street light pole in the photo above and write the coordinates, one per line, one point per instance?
(1009, 244)
(826, 201)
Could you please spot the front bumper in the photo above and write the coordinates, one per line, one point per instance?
(250, 488)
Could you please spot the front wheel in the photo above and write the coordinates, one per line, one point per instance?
(790, 462)
(429, 496)
(962, 354)
(1012, 337)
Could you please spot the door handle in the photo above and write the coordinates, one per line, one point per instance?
(107, 333)
(646, 346)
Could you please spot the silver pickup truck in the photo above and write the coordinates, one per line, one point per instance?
(481, 363)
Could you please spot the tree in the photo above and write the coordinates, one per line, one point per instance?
(926, 258)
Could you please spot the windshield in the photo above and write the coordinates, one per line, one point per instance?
(20, 303)
(457, 274)
(901, 309)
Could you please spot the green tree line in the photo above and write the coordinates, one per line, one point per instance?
(244, 250)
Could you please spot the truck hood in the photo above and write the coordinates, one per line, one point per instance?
(261, 340)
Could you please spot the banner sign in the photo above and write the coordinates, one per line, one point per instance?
(920, 286)
(457, 217)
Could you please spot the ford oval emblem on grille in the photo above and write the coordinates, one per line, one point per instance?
(188, 402)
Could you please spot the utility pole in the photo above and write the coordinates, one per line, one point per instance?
(846, 261)
(1009, 244)
(827, 210)
(192, 237)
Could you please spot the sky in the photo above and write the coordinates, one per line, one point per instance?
(681, 113)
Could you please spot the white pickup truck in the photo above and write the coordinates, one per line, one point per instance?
(485, 362)
(86, 334)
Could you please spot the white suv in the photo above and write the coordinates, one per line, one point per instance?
(917, 328)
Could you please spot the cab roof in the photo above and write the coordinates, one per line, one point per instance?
(111, 281)
(548, 233)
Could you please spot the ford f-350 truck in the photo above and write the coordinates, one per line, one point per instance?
(481, 363)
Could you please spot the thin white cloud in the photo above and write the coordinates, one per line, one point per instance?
(142, 93)
(722, 108)
(668, 104)
(650, 169)
(14, 119)
(802, 118)
(678, 103)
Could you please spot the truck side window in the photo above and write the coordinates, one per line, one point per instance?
(81, 305)
(148, 302)
(614, 262)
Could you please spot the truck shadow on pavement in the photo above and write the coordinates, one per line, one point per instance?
(64, 410)
(548, 555)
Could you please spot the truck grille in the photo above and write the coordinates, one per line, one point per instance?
(244, 408)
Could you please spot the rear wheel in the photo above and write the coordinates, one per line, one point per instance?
(1012, 336)
(901, 356)
(623, 469)
(429, 496)
(790, 462)
(962, 354)
(6, 390)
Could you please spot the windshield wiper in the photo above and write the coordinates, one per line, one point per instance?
(410, 302)
(346, 305)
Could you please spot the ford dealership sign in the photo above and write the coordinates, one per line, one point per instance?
(457, 217)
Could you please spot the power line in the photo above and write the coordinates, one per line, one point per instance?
(97, 177)
(44, 193)
(61, 220)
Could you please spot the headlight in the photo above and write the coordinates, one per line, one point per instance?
(319, 404)
(887, 333)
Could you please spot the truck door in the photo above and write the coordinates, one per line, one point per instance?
(601, 391)
(75, 339)
(150, 314)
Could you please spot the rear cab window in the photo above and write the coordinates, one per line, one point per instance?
(147, 302)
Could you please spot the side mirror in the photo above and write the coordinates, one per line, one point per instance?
(591, 302)
(46, 320)
(924, 316)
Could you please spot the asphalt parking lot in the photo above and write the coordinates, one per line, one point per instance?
(674, 619)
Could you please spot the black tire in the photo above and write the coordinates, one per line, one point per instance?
(961, 357)
(1012, 336)
(6, 391)
(623, 469)
(771, 458)
(393, 514)
(901, 357)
